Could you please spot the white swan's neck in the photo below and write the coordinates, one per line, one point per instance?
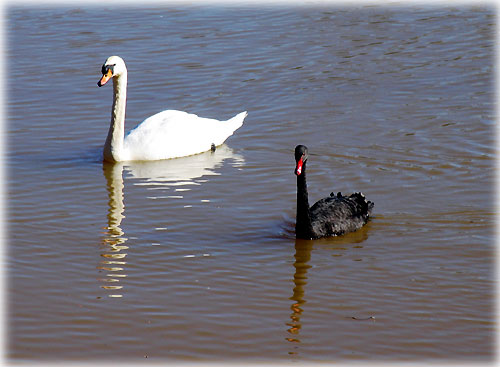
(113, 148)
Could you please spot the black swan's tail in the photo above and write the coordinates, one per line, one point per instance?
(364, 206)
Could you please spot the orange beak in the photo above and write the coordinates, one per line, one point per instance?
(105, 78)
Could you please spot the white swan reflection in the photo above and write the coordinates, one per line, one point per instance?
(113, 261)
(184, 172)
(181, 174)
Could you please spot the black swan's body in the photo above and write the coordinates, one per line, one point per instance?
(331, 216)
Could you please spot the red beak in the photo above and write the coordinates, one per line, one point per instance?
(298, 169)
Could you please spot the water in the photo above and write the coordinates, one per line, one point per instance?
(195, 259)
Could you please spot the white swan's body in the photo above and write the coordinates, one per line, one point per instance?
(168, 134)
(171, 134)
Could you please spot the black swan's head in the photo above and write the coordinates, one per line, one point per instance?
(300, 158)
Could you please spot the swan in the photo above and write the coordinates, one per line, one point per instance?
(331, 216)
(167, 134)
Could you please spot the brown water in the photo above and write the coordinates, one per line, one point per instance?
(195, 259)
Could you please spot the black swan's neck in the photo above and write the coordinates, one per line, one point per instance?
(303, 226)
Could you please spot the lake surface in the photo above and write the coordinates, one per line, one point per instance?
(195, 259)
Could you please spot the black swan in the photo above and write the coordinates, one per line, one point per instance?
(331, 216)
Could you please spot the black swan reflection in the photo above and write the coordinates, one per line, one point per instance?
(330, 216)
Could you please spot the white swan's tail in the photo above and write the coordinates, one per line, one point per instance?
(227, 128)
(237, 121)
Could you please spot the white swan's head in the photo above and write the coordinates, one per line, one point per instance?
(114, 66)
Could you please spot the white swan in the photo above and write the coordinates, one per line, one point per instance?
(168, 134)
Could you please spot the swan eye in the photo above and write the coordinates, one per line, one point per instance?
(107, 68)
